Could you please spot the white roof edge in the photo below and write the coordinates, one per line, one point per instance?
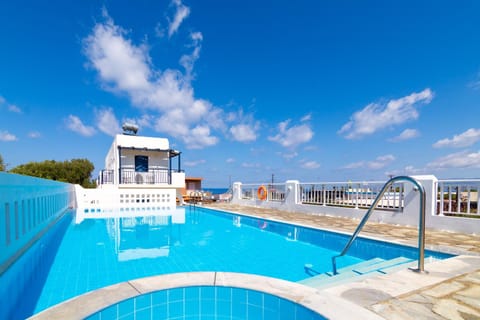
(141, 142)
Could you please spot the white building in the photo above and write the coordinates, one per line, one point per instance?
(141, 162)
(139, 172)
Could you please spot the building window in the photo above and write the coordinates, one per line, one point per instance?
(141, 163)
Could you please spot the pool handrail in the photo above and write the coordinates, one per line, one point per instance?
(421, 225)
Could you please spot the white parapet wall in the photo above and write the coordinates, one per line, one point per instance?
(91, 200)
(404, 211)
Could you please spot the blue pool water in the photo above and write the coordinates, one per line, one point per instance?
(207, 303)
(98, 252)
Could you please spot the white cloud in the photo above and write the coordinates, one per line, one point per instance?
(245, 129)
(379, 163)
(7, 137)
(200, 137)
(230, 160)
(377, 116)
(293, 136)
(407, 171)
(10, 107)
(107, 122)
(289, 155)
(76, 125)
(125, 68)
(462, 159)
(465, 139)
(355, 165)
(476, 83)
(14, 108)
(194, 163)
(181, 12)
(159, 30)
(119, 63)
(250, 165)
(188, 60)
(310, 165)
(307, 117)
(406, 134)
(34, 135)
(243, 133)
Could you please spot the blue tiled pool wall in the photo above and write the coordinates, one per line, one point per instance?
(28, 206)
(362, 248)
(22, 283)
(207, 303)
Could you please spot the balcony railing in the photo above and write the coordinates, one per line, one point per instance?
(343, 194)
(352, 194)
(129, 176)
(458, 197)
(275, 191)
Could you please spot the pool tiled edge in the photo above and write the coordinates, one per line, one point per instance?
(323, 303)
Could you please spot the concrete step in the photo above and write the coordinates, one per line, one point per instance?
(379, 267)
(392, 268)
(344, 272)
(363, 264)
(357, 271)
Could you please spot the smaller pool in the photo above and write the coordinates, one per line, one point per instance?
(206, 302)
(206, 296)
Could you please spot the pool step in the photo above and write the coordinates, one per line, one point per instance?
(382, 266)
(357, 271)
(364, 264)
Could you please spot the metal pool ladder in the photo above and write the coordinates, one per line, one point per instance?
(421, 225)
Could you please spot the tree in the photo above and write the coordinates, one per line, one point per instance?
(76, 171)
(2, 165)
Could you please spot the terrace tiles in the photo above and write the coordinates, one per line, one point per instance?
(450, 289)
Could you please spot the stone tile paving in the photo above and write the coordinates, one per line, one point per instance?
(455, 298)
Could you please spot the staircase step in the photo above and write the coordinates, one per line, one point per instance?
(365, 269)
(325, 278)
(344, 272)
(393, 268)
(346, 277)
(365, 263)
(384, 265)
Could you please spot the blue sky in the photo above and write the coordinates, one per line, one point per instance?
(305, 90)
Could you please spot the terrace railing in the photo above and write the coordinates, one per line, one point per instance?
(155, 176)
(275, 191)
(130, 176)
(105, 177)
(352, 194)
(458, 197)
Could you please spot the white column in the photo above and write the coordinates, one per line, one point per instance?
(292, 192)
(411, 208)
(237, 192)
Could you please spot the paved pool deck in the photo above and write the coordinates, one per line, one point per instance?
(449, 289)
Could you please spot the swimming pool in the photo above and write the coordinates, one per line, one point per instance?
(98, 252)
(207, 302)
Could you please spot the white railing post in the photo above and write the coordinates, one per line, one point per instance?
(291, 192)
(236, 192)
(324, 195)
(442, 200)
(357, 194)
(429, 182)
